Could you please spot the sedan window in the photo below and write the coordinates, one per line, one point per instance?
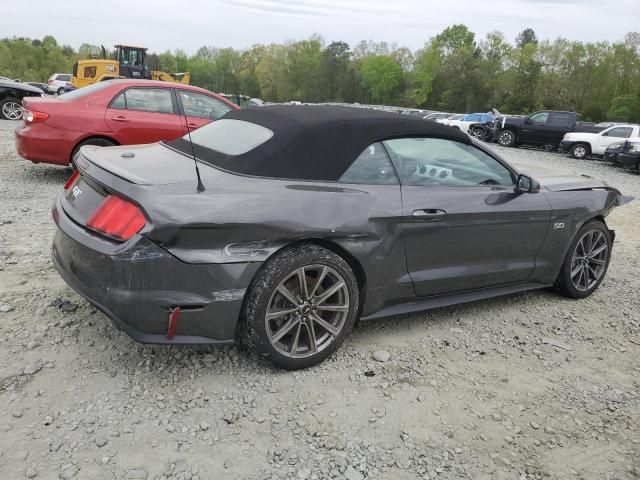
(203, 106)
(372, 167)
(154, 100)
(436, 161)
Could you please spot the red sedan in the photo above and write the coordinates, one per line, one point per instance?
(115, 112)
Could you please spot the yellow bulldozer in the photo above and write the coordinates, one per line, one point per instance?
(128, 62)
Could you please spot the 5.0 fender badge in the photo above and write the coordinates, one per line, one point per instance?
(558, 226)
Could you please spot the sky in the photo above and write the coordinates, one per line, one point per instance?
(189, 24)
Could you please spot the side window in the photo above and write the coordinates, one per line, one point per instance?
(563, 119)
(472, 118)
(539, 117)
(620, 132)
(436, 161)
(119, 102)
(372, 167)
(204, 106)
(156, 100)
(64, 78)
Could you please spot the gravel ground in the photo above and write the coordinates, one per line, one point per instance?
(522, 387)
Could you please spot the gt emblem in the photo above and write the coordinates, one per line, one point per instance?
(75, 192)
(558, 226)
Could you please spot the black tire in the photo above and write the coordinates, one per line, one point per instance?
(580, 151)
(477, 132)
(7, 108)
(507, 138)
(564, 283)
(98, 142)
(257, 333)
(60, 91)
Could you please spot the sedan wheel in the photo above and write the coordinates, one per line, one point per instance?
(587, 261)
(307, 311)
(11, 109)
(300, 307)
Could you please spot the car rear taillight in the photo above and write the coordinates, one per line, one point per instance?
(72, 179)
(117, 218)
(50, 81)
(34, 117)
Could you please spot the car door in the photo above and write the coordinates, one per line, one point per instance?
(465, 227)
(535, 128)
(200, 109)
(611, 136)
(144, 115)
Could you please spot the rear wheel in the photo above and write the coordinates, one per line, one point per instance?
(507, 138)
(98, 142)
(11, 108)
(300, 307)
(60, 91)
(586, 262)
(580, 151)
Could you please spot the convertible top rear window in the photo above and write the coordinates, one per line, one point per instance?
(230, 137)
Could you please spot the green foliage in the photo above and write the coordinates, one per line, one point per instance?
(454, 71)
(382, 77)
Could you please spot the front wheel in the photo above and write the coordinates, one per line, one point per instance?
(586, 262)
(300, 307)
(579, 151)
(507, 138)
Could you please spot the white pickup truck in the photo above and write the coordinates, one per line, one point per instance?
(582, 144)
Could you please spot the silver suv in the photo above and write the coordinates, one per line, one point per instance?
(57, 82)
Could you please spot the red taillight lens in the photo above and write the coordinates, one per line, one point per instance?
(72, 179)
(34, 117)
(117, 218)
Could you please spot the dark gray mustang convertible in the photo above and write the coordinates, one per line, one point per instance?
(300, 220)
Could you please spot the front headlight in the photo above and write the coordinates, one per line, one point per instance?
(615, 146)
(635, 147)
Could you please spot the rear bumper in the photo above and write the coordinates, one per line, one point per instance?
(42, 143)
(137, 284)
(629, 160)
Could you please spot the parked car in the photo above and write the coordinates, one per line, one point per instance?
(546, 127)
(629, 155)
(464, 122)
(114, 112)
(612, 151)
(450, 117)
(583, 144)
(12, 94)
(437, 115)
(41, 86)
(58, 81)
(313, 216)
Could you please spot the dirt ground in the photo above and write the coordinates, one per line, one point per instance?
(521, 387)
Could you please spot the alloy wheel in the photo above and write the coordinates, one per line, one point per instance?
(307, 311)
(589, 260)
(579, 152)
(12, 111)
(505, 139)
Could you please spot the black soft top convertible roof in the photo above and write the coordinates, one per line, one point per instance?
(315, 142)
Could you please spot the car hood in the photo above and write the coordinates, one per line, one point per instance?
(19, 86)
(579, 136)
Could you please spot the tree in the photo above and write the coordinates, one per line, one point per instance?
(381, 76)
(526, 37)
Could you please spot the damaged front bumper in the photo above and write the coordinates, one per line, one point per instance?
(137, 284)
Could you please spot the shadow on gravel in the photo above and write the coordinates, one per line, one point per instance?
(43, 174)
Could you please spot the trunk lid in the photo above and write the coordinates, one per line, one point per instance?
(153, 164)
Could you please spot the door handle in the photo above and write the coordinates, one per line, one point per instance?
(429, 214)
(120, 118)
(192, 125)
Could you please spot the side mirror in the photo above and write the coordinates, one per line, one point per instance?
(526, 184)
(605, 134)
(527, 121)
